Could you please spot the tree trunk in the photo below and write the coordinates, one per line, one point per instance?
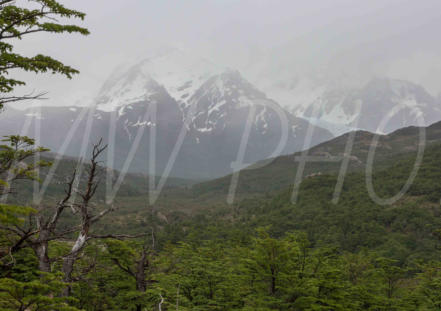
(40, 247)
(69, 262)
(44, 264)
(67, 269)
(141, 284)
(273, 282)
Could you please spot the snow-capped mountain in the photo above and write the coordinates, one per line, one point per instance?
(380, 96)
(135, 86)
(335, 107)
(397, 103)
(180, 73)
(223, 103)
(219, 113)
(222, 97)
(163, 99)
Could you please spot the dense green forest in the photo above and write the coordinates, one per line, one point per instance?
(261, 254)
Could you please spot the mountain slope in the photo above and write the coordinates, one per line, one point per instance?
(220, 111)
(404, 231)
(281, 172)
(196, 138)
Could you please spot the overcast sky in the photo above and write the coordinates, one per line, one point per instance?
(396, 38)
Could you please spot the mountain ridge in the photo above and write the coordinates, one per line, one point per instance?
(141, 110)
(279, 173)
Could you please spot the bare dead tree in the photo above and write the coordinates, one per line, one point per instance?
(86, 212)
(41, 227)
(161, 302)
(46, 228)
(88, 217)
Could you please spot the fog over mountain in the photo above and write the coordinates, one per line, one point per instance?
(328, 43)
(167, 100)
(337, 65)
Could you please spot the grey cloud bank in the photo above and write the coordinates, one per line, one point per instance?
(340, 41)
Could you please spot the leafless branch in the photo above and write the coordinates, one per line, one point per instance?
(11, 99)
(117, 236)
(62, 204)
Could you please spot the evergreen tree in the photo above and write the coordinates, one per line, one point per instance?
(17, 21)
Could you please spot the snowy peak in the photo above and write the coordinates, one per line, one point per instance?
(221, 109)
(413, 105)
(131, 87)
(179, 73)
(336, 110)
(228, 86)
(231, 84)
(220, 97)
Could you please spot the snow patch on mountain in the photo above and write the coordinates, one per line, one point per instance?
(133, 87)
(365, 108)
(220, 97)
(179, 73)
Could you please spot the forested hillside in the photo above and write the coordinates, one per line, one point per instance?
(261, 254)
(280, 172)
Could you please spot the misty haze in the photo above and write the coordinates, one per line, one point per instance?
(220, 155)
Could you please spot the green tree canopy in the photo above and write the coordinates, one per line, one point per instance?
(19, 19)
